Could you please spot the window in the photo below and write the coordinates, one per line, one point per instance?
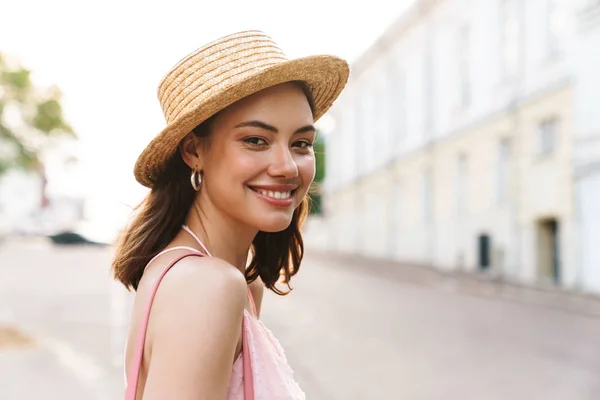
(359, 132)
(360, 223)
(395, 212)
(396, 107)
(427, 196)
(503, 171)
(464, 51)
(556, 24)
(428, 90)
(510, 31)
(347, 162)
(382, 136)
(370, 132)
(397, 202)
(547, 133)
(461, 185)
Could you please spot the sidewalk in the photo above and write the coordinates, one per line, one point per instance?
(466, 283)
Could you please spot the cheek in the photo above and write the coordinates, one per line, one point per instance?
(306, 168)
(239, 166)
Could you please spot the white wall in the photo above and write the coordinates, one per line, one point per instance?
(586, 152)
(405, 91)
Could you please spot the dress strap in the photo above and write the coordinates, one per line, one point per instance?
(247, 361)
(252, 302)
(138, 353)
(188, 230)
(172, 249)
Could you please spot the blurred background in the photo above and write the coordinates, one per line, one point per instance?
(452, 250)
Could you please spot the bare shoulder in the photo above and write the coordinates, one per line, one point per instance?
(199, 285)
(204, 278)
(194, 328)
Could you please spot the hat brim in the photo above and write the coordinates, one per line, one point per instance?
(326, 76)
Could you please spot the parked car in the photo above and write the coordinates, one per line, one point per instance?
(73, 238)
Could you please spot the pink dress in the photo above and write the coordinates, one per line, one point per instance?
(260, 372)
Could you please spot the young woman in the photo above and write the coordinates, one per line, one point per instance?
(229, 177)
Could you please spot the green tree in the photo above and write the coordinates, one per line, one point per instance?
(315, 189)
(31, 119)
(319, 147)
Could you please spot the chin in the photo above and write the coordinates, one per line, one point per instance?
(275, 224)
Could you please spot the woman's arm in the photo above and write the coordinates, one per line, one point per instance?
(194, 330)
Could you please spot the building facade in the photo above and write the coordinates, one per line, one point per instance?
(468, 138)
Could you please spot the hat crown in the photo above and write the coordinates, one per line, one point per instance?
(215, 67)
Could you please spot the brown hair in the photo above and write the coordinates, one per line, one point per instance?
(163, 211)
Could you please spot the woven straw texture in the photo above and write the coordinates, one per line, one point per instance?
(223, 72)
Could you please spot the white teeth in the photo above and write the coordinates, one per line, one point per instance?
(275, 195)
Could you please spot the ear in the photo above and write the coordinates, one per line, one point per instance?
(190, 151)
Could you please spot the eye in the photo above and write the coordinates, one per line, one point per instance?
(255, 141)
(303, 144)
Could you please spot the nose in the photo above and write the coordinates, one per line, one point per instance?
(283, 163)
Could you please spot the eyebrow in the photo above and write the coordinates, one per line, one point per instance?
(262, 125)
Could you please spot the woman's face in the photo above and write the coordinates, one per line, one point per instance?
(259, 160)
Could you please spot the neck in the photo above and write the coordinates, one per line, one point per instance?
(224, 237)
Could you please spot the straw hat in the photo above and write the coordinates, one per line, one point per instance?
(223, 72)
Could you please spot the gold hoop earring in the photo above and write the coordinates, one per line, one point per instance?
(196, 180)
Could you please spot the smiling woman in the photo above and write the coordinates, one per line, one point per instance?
(229, 177)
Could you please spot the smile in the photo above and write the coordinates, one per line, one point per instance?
(277, 198)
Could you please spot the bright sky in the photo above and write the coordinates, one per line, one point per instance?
(108, 58)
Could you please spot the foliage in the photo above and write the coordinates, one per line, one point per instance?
(315, 190)
(30, 117)
(319, 148)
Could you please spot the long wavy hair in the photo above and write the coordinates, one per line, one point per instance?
(163, 211)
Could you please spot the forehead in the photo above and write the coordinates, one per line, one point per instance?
(285, 104)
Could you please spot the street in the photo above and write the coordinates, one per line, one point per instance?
(349, 332)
